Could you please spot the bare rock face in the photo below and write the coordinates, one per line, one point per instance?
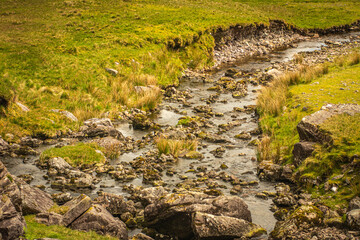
(12, 223)
(308, 128)
(98, 219)
(207, 226)
(302, 150)
(173, 213)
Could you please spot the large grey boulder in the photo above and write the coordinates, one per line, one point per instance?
(207, 226)
(12, 223)
(309, 127)
(34, 200)
(98, 219)
(173, 214)
(77, 207)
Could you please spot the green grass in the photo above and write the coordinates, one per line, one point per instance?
(280, 124)
(36, 230)
(339, 86)
(54, 52)
(77, 155)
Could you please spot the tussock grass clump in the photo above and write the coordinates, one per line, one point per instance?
(175, 147)
(273, 97)
(348, 60)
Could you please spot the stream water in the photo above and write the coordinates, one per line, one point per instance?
(239, 156)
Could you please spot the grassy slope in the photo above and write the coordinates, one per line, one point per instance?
(339, 86)
(54, 52)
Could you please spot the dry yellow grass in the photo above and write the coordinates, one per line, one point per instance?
(175, 147)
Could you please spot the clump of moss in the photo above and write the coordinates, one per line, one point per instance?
(76, 155)
(36, 230)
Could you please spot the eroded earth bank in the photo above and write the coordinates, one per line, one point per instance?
(188, 170)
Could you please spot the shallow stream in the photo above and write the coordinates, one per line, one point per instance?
(239, 156)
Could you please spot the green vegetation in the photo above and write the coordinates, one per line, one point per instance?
(54, 53)
(302, 95)
(81, 154)
(36, 230)
(59, 209)
(176, 147)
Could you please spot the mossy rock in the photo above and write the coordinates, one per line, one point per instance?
(307, 214)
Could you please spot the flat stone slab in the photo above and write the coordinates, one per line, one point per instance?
(309, 127)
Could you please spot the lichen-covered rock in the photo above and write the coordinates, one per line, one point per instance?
(305, 216)
(151, 195)
(309, 127)
(353, 219)
(115, 204)
(12, 223)
(61, 198)
(4, 147)
(207, 226)
(354, 203)
(8, 187)
(98, 219)
(77, 207)
(30, 142)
